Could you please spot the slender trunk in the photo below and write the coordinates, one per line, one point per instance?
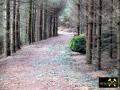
(45, 22)
(13, 27)
(41, 24)
(7, 34)
(118, 46)
(43, 19)
(50, 32)
(18, 26)
(54, 25)
(30, 22)
(33, 22)
(87, 52)
(78, 24)
(118, 56)
(89, 36)
(94, 30)
(99, 43)
(111, 32)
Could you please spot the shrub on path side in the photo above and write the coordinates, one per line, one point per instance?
(78, 43)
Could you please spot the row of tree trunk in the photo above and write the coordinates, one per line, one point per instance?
(94, 31)
(41, 23)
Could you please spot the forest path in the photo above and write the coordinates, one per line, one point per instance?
(48, 65)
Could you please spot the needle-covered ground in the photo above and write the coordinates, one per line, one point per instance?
(49, 65)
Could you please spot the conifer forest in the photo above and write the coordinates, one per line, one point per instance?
(59, 44)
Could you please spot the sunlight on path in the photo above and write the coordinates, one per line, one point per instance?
(47, 65)
(66, 33)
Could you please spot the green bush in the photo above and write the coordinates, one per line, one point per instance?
(78, 43)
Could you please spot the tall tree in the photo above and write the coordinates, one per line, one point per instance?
(41, 23)
(45, 17)
(99, 33)
(89, 32)
(18, 43)
(14, 28)
(7, 32)
(78, 23)
(111, 30)
(30, 22)
(118, 44)
(94, 29)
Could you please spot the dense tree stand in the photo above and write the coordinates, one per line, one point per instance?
(40, 41)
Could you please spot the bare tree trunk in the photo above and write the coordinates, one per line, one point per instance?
(89, 36)
(118, 56)
(87, 52)
(45, 19)
(50, 32)
(33, 21)
(54, 25)
(118, 46)
(18, 26)
(41, 23)
(99, 43)
(13, 27)
(111, 31)
(78, 23)
(7, 34)
(94, 30)
(30, 22)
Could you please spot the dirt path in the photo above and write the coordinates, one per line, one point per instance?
(48, 65)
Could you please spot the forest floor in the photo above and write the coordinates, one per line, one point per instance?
(48, 65)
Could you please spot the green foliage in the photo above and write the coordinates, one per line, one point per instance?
(78, 43)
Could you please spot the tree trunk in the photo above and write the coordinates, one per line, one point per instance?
(45, 20)
(54, 25)
(7, 34)
(30, 22)
(89, 36)
(33, 21)
(118, 56)
(50, 32)
(111, 31)
(13, 27)
(18, 26)
(78, 23)
(118, 46)
(99, 43)
(94, 30)
(41, 23)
